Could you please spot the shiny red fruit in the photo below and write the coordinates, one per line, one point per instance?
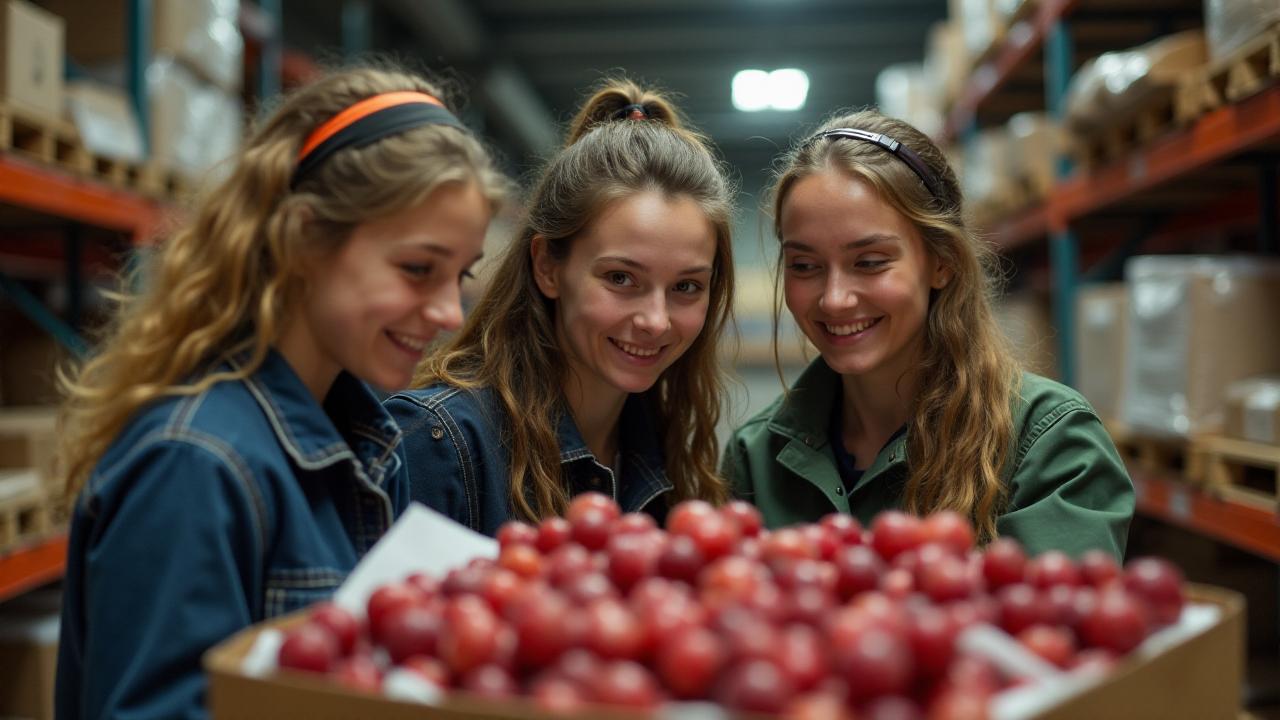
(1003, 563)
(1159, 583)
(425, 584)
(411, 630)
(1055, 644)
(756, 686)
(590, 527)
(584, 502)
(949, 529)
(1098, 568)
(802, 656)
(523, 559)
(846, 528)
(386, 599)
(1117, 622)
(627, 684)
(1020, 608)
(747, 517)
(490, 681)
(681, 559)
(1052, 568)
(557, 695)
(891, 707)
(715, 535)
(309, 648)
(933, 635)
(632, 558)
(469, 635)
(786, 544)
(566, 563)
(688, 514)
(429, 668)
(358, 672)
(552, 533)
(876, 663)
(633, 523)
(894, 532)
(515, 532)
(344, 626)
(688, 664)
(614, 632)
(858, 569)
(946, 579)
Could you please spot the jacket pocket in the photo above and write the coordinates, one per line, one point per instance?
(292, 589)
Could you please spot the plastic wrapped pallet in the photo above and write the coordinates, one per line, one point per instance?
(1026, 321)
(987, 184)
(1161, 63)
(980, 24)
(1197, 324)
(1229, 24)
(1102, 327)
(104, 117)
(901, 92)
(1253, 410)
(946, 61)
(194, 125)
(203, 34)
(1034, 145)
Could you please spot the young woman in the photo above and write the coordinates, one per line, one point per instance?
(590, 362)
(230, 462)
(915, 402)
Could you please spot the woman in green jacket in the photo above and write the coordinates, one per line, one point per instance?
(916, 402)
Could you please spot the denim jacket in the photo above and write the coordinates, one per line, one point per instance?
(1067, 488)
(458, 464)
(206, 514)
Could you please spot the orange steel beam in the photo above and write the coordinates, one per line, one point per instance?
(1254, 529)
(54, 192)
(32, 566)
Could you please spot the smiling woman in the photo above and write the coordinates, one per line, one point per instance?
(590, 363)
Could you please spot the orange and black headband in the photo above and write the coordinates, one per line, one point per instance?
(367, 122)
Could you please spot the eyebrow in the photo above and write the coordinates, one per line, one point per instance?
(641, 266)
(441, 250)
(851, 245)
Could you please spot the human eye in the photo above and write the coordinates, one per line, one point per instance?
(689, 287)
(872, 263)
(801, 265)
(416, 271)
(619, 278)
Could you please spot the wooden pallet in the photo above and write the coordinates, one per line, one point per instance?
(48, 140)
(1158, 454)
(24, 509)
(1250, 69)
(1145, 117)
(1225, 460)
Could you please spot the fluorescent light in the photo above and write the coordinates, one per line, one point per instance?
(782, 89)
(751, 90)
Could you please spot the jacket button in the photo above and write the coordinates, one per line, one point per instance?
(437, 432)
(839, 490)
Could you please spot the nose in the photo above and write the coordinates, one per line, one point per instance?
(838, 294)
(652, 317)
(443, 309)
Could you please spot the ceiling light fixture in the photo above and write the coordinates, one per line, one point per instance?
(782, 89)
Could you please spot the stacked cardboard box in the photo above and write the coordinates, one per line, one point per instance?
(31, 42)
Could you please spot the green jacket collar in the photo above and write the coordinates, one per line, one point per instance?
(803, 418)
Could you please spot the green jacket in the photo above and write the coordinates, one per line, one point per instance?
(1068, 488)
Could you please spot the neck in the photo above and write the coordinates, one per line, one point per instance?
(596, 411)
(877, 404)
(299, 350)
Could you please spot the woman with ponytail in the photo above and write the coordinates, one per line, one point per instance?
(230, 463)
(590, 361)
(915, 403)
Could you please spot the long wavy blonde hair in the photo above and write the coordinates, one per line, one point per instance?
(509, 341)
(223, 283)
(961, 427)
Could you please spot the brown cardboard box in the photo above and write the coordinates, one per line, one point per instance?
(1034, 146)
(29, 655)
(1196, 325)
(1102, 327)
(28, 359)
(28, 439)
(1253, 410)
(1026, 321)
(1207, 670)
(31, 42)
(202, 33)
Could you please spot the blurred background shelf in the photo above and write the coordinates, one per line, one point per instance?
(30, 567)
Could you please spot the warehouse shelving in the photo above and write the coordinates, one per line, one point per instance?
(32, 566)
(1166, 497)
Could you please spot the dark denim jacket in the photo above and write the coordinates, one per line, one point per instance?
(209, 513)
(458, 464)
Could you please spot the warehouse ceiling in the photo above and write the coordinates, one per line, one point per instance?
(528, 62)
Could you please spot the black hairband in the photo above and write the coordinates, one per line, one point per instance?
(895, 148)
(628, 111)
(372, 128)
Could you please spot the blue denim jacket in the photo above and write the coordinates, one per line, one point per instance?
(209, 513)
(458, 464)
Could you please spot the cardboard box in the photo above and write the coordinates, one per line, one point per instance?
(1207, 670)
(1196, 325)
(1027, 322)
(1253, 410)
(31, 74)
(1034, 146)
(946, 61)
(104, 117)
(28, 439)
(28, 360)
(1102, 328)
(204, 34)
(29, 656)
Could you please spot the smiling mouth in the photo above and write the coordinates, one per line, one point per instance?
(635, 350)
(409, 342)
(850, 328)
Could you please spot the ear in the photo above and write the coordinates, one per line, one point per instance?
(941, 275)
(544, 267)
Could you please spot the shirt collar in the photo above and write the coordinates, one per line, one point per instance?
(364, 432)
(805, 413)
(640, 446)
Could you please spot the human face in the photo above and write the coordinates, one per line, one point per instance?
(632, 295)
(856, 275)
(372, 305)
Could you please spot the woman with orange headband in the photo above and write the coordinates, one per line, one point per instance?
(230, 463)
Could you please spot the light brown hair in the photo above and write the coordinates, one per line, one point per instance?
(222, 285)
(509, 341)
(961, 426)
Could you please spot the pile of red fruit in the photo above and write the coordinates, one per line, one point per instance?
(822, 620)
